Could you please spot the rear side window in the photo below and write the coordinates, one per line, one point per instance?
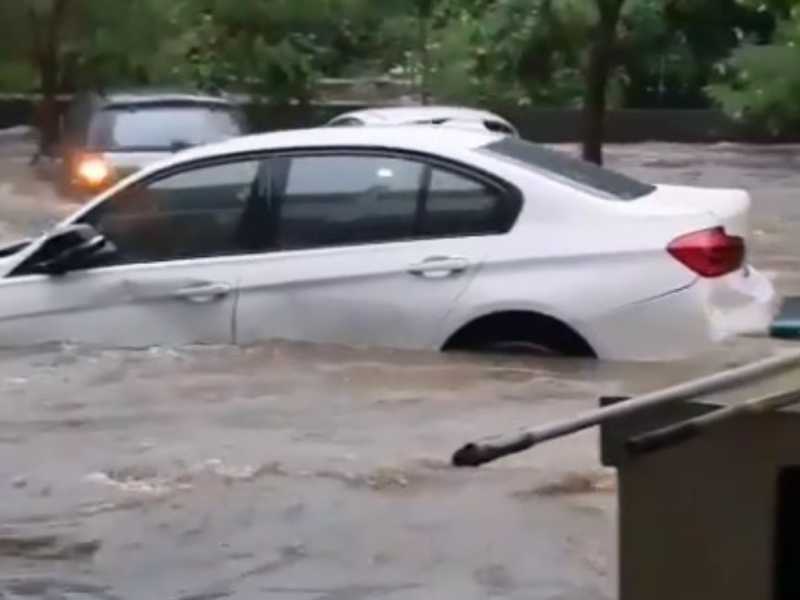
(340, 200)
(335, 200)
(581, 174)
(457, 205)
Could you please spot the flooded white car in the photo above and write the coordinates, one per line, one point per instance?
(404, 237)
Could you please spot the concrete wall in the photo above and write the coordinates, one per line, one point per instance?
(564, 125)
(538, 124)
(15, 111)
(697, 521)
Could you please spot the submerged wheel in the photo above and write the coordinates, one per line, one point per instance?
(520, 333)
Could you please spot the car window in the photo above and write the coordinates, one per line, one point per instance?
(458, 205)
(202, 212)
(578, 173)
(295, 203)
(339, 200)
(161, 128)
(346, 122)
(498, 127)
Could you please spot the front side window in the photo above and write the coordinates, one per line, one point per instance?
(193, 214)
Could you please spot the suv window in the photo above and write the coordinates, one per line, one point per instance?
(578, 173)
(192, 214)
(160, 128)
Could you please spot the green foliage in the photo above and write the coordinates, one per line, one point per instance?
(276, 49)
(508, 51)
(761, 83)
(16, 76)
(126, 45)
(471, 51)
(94, 45)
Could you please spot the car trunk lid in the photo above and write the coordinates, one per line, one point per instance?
(729, 207)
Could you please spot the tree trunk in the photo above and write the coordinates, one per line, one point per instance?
(425, 63)
(598, 70)
(424, 13)
(46, 52)
(49, 130)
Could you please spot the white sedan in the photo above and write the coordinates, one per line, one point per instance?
(409, 237)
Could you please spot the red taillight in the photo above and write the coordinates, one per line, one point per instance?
(709, 253)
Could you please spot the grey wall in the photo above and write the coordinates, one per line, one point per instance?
(538, 124)
(564, 125)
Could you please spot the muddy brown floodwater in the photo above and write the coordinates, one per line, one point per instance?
(294, 471)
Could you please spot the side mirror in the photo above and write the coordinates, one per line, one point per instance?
(77, 246)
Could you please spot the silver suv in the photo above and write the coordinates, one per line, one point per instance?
(106, 137)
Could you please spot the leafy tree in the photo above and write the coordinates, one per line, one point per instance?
(35, 33)
(132, 44)
(68, 44)
(589, 53)
(535, 52)
(676, 50)
(761, 82)
(277, 49)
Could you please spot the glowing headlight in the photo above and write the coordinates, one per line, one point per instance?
(93, 170)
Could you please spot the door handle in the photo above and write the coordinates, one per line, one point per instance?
(204, 292)
(439, 267)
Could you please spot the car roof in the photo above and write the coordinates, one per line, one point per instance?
(404, 137)
(142, 96)
(401, 115)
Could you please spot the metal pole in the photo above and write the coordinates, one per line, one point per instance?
(478, 453)
(685, 430)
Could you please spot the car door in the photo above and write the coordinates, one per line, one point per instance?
(368, 249)
(172, 279)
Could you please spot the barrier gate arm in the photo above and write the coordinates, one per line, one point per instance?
(481, 452)
(685, 430)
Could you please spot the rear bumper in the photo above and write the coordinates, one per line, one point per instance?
(686, 321)
(741, 304)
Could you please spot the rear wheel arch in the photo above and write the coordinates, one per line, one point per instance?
(515, 329)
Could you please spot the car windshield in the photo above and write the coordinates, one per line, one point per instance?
(578, 173)
(162, 127)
